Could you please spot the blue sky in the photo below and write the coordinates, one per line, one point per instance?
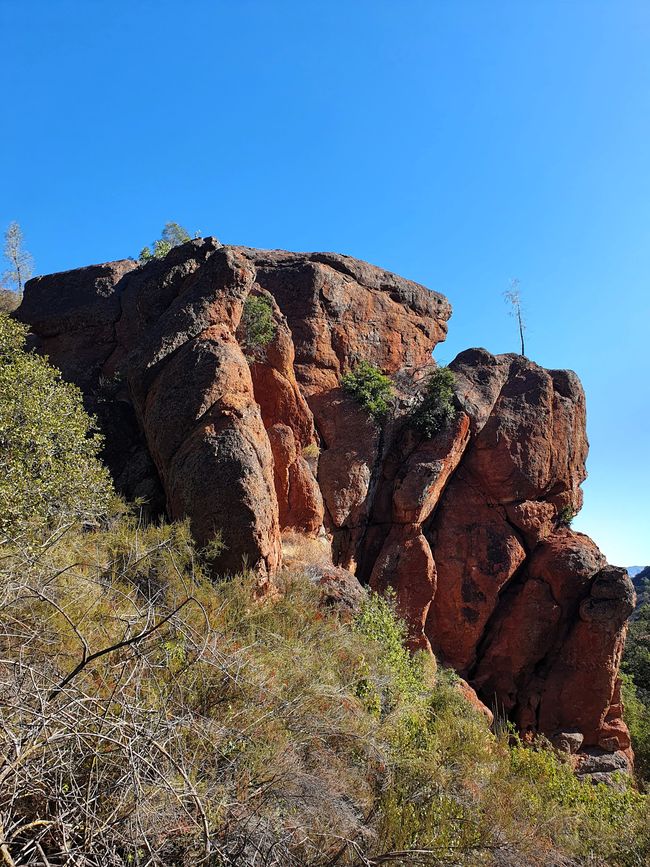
(457, 143)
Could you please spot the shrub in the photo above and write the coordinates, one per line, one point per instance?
(566, 515)
(257, 326)
(311, 452)
(369, 387)
(435, 408)
(49, 469)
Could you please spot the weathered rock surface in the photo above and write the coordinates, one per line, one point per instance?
(467, 528)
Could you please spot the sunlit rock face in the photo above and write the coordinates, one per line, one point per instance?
(467, 527)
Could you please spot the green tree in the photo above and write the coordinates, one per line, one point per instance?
(21, 263)
(171, 236)
(49, 468)
(257, 327)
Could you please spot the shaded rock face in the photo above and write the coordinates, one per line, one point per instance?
(465, 528)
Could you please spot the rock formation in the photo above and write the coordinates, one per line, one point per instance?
(468, 527)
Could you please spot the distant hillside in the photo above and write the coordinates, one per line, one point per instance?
(641, 581)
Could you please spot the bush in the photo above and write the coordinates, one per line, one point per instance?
(49, 469)
(257, 327)
(369, 387)
(566, 515)
(435, 409)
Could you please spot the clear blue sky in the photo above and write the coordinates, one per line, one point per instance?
(457, 143)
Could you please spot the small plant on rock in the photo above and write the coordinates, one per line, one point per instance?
(435, 409)
(565, 516)
(369, 387)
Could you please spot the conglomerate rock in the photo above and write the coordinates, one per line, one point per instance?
(469, 528)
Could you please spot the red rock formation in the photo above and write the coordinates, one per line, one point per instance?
(466, 527)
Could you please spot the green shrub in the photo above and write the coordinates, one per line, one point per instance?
(369, 387)
(435, 408)
(49, 470)
(566, 515)
(257, 326)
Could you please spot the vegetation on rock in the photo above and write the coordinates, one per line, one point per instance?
(172, 236)
(371, 388)
(257, 326)
(435, 408)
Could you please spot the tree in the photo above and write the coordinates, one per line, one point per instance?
(174, 234)
(513, 297)
(257, 326)
(21, 263)
(171, 236)
(50, 473)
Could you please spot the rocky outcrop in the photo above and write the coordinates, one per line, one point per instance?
(469, 528)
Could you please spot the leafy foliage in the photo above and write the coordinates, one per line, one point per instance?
(369, 387)
(257, 326)
(435, 408)
(49, 471)
(172, 236)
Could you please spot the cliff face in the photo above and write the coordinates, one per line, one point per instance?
(465, 527)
